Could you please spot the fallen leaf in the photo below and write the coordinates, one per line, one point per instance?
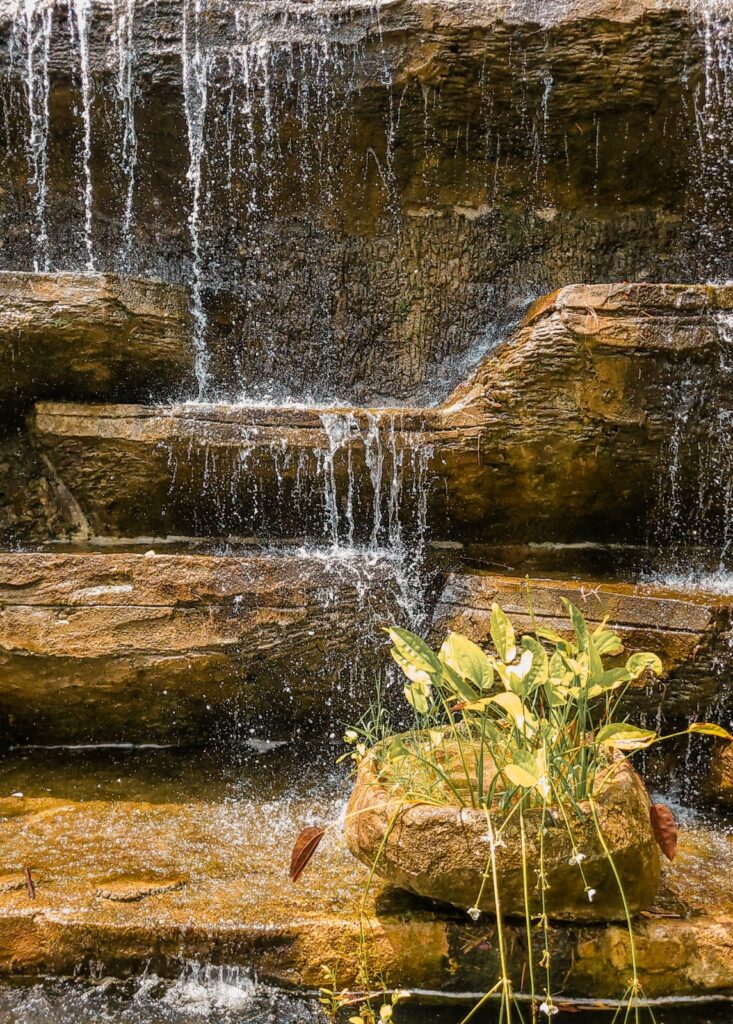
(305, 846)
(665, 829)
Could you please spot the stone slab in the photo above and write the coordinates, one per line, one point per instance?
(207, 862)
(561, 435)
(120, 647)
(91, 336)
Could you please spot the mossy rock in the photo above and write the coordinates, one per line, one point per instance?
(443, 852)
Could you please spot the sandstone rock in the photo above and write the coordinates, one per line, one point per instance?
(719, 784)
(562, 434)
(690, 632)
(122, 647)
(337, 260)
(91, 336)
(442, 852)
(238, 908)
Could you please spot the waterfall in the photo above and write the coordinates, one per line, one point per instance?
(32, 27)
(81, 16)
(195, 70)
(695, 505)
(125, 39)
(714, 118)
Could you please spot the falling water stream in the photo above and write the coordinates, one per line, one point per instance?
(268, 117)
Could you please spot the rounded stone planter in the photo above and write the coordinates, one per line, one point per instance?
(443, 852)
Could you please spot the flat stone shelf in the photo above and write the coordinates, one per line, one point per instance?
(162, 647)
(91, 336)
(142, 858)
(555, 438)
(691, 631)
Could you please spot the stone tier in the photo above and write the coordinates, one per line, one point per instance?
(134, 874)
(171, 647)
(91, 337)
(691, 631)
(564, 433)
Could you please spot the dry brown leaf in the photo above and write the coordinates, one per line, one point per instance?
(305, 846)
(665, 829)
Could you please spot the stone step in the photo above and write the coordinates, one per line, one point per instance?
(98, 337)
(562, 435)
(146, 859)
(690, 630)
(116, 647)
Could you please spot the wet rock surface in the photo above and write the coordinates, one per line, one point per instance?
(562, 434)
(227, 836)
(91, 336)
(127, 647)
(455, 156)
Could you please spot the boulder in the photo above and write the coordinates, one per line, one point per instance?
(443, 852)
(116, 647)
(562, 435)
(91, 336)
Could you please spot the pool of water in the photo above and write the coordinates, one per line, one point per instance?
(226, 995)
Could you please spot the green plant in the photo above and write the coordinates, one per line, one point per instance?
(526, 732)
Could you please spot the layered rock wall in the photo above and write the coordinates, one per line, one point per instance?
(359, 192)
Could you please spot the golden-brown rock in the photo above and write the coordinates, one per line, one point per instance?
(91, 336)
(133, 647)
(444, 852)
(562, 434)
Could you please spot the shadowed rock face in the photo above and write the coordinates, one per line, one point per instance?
(91, 336)
(564, 433)
(432, 157)
(123, 647)
(691, 632)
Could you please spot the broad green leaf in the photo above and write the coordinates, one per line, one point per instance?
(550, 635)
(614, 677)
(511, 704)
(414, 674)
(514, 676)
(639, 663)
(519, 776)
(502, 633)
(710, 729)
(622, 736)
(607, 641)
(540, 671)
(414, 650)
(417, 698)
(558, 668)
(595, 664)
(579, 625)
(458, 684)
(468, 660)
